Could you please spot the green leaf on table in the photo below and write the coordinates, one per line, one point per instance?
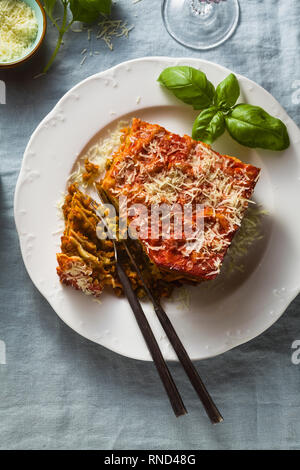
(102, 6)
(189, 85)
(253, 127)
(88, 11)
(227, 92)
(209, 125)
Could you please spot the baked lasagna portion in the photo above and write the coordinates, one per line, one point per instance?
(87, 263)
(153, 167)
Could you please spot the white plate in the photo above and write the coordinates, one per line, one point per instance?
(218, 319)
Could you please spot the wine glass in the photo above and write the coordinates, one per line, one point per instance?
(200, 24)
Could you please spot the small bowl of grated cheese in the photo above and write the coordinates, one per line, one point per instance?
(22, 30)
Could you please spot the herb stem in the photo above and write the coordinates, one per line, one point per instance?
(85, 11)
(54, 21)
(62, 31)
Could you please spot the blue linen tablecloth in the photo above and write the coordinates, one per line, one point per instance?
(60, 391)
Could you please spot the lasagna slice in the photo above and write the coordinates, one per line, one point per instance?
(152, 167)
(86, 262)
(79, 263)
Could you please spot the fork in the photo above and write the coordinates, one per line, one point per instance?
(195, 379)
(158, 359)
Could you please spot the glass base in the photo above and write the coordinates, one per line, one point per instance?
(200, 25)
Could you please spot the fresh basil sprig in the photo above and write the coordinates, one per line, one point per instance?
(254, 127)
(210, 124)
(247, 124)
(189, 85)
(227, 92)
(86, 11)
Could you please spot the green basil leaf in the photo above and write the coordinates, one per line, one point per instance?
(82, 14)
(210, 90)
(227, 92)
(209, 125)
(189, 85)
(254, 127)
(88, 11)
(48, 6)
(103, 6)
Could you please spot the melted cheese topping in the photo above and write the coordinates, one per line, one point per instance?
(155, 167)
(74, 271)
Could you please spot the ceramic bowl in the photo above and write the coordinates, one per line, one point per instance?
(42, 24)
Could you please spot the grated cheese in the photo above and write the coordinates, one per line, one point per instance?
(80, 274)
(224, 192)
(98, 154)
(113, 28)
(107, 29)
(204, 177)
(59, 205)
(247, 237)
(249, 233)
(82, 61)
(18, 29)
